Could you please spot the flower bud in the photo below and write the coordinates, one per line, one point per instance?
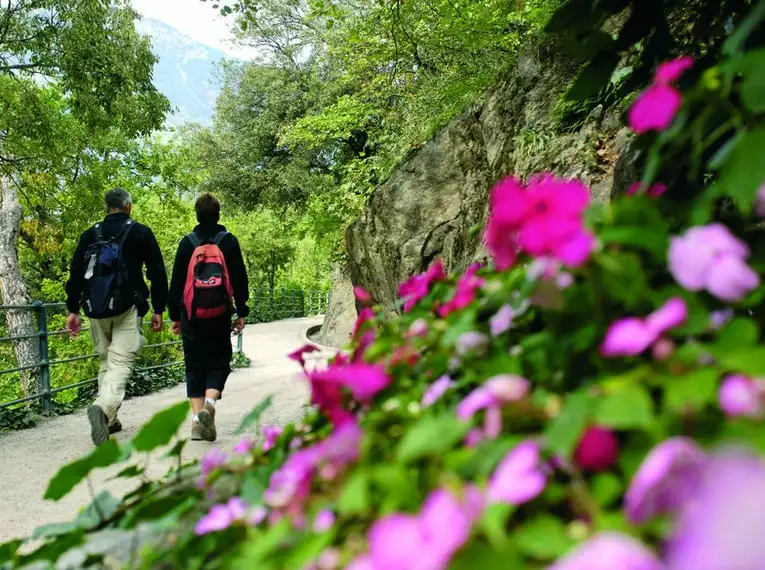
(598, 449)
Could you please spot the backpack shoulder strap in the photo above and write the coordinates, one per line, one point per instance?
(219, 238)
(99, 231)
(194, 239)
(124, 231)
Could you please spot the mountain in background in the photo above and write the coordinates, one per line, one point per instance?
(187, 72)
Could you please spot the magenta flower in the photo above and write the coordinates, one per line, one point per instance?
(544, 219)
(722, 529)
(671, 71)
(324, 521)
(465, 292)
(609, 551)
(494, 393)
(221, 517)
(711, 258)
(270, 435)
(245, 446)
(436, 391)
(667, 479)
(363, 380)
(366, 315)
(520, 477)
(362, 296)
(740, 396)
(501, 322)
(299, 355)
(212, 460)
(655, 109)
(598, 449)
(631, 336)
(257, 515)
(418, 287)
(653, 191)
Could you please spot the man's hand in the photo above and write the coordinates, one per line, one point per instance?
(157, 323)
(176, 328)
(74, 324)
(238, 326)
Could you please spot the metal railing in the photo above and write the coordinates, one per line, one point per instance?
(280, 303)
(43, 390)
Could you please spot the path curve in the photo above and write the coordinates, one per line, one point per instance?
(29, 458)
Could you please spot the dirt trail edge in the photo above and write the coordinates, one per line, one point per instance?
(29, 458)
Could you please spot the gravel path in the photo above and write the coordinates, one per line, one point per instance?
(29, 458)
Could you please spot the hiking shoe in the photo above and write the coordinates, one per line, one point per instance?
(207, 423)
(116, 427)
(99, 427)
(196, 431)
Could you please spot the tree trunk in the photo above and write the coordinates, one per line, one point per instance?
(13, 288)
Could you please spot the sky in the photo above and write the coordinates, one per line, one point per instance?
(196, 19)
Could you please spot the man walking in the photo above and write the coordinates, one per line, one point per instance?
(209, 284)
(106, 281)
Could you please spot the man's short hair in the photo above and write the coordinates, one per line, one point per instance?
(117, 199)
(208, 209)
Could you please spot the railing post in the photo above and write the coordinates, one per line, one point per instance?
(270, 303)
(239, 342)
(292, 303)
(255, 303)
(44, 371)
(310, 303)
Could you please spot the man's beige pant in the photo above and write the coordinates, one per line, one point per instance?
(118, 341)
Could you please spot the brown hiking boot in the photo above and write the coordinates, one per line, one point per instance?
(196, 431)
(99, 427)
(207, 423)
(115, 427)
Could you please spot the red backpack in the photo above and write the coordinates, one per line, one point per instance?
(208, 291)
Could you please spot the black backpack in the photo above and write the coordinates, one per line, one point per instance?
(107, 292)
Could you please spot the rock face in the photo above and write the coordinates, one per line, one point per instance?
(432, 203)
(341, 312)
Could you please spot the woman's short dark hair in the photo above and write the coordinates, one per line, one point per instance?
(208, 209)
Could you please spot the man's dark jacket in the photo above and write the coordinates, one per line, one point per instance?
(141, 248)
(237, 272)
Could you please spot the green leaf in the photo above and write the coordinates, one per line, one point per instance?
(9, 549)
(653, 241)
(542, 538)
(160, 508)
(737, 40)
(744, 170)
(161, 428)
(627, 408)
(479, 555)
(572, 13)
(254, 485)
(354, 498)
(430, 436)
(695, 390)
(482, 460)
(494, 523)
(129, 472)
(747, 360)
(70, 475)
(751, 67)
(738, 333)
(623, 277)
(254, 415)
(564, 432)
(308, 549)
(465, 323)
(606, 488)
(594, 77)
(395, 483)
(51, 551)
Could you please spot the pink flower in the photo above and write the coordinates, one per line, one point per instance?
(519, 478)
(502, 321)
(270, 435)
(418, 287)
(245, 446)
(212, 460)
(299, 355)
(667, 479)
(663, 349)
(418, 328)
(740, 396)
(655, 109)
(221, 517)
(363, 296)
(653, 191)
(631, 336)
(609, 551)
(472, 342)
(671, 71)
(496, 391)
(365, 315)
(598, 449)
(426, 541)
(718, 319)
(257, 516)
(711, 258)
(436, 391)
(363, 380)
(324, 521)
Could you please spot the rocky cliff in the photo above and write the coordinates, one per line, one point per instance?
(433, 201)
